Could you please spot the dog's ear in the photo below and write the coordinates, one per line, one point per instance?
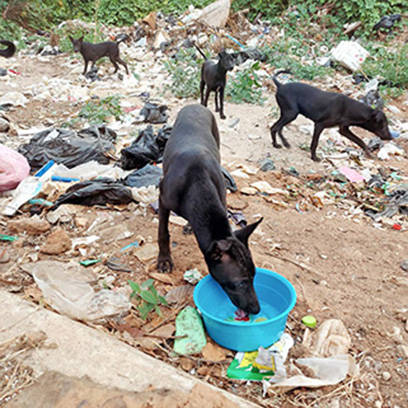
(244, 233)
(218, 249)
(72, 40)
(81, 39)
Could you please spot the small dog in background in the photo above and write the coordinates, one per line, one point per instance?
(214, 76)
(93, 52)
(9, 51)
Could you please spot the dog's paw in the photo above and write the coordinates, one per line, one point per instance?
(222, 116)
(277, 145)
(316, 159)
(164, 265)
(286, 144)
(217, 109)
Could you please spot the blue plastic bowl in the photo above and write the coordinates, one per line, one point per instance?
(277, 297)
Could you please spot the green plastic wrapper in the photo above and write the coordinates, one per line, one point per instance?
(189, 324)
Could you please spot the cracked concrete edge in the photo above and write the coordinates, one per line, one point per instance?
(85, 351)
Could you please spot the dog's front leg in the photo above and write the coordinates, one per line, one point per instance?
(318, 129)
(164, 262)
(221, 94)
(202, 84)
(217, 108)
(346, 132)
(207, 94)
(86, 67)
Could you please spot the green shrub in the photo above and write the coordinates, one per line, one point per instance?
(98, 111)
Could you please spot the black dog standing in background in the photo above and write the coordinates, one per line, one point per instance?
(193, 187)
(9, 51)
(325, 109)
(93, 52)
(214, 76)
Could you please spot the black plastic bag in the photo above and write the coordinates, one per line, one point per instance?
(96, 192)
(229, 181)
(146, 176)
(146, 149)
(154, 113)
(67, 147)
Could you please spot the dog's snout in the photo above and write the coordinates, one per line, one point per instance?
(254, 308)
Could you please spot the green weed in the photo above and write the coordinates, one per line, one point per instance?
(149, 298)
(184, 72)
(246, 87)
(97, 111)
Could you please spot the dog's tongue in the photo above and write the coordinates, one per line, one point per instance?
(241, 316)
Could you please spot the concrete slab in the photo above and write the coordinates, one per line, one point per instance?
(83, 351)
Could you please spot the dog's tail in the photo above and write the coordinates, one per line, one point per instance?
(9, 51)
(274, 78)
(200, 51)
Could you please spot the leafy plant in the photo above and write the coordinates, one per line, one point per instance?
(184, 72)
(97, 111)
(245, 87)
(149, 298)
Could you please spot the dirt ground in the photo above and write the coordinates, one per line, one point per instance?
(341, 266)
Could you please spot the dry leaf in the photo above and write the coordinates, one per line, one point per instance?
(213, 352)
(179, 294)
(186, 364)
(162, 277)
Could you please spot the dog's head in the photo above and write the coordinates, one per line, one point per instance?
(378, 124)
(77, 43)
(227, 61)
(230, 264)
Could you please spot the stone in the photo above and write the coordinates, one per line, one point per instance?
(57, 242)
(32, 226)
(386, 376)
(404, 265)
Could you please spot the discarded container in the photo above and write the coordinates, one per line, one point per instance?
(192, 276)
(276, 296)
(350, 54)
(309, 321)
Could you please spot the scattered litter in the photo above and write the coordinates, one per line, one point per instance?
(76, 298)
(13, 168)
(190, 335)
(148, 148)
(89, 262)
(350, 54)
(309, 321)
(351, 174)
(192, 276)
(67, 147)
(96, 192)
(390, 149)
(148, 175)
(153, 113)
(262, 364)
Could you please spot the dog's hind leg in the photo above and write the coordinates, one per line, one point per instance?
(123, 63)
(217, 108)
(114, 64)
(277, 127)
(318, 129)
(164, 262)
(202, 85)
(207, 94)
(346, 132)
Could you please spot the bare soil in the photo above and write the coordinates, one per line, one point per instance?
(341, 266)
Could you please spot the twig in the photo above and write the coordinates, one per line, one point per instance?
(298, 264)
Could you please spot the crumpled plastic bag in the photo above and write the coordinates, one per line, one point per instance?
(13, 168)
(147, 148)
(388, 149)
(75, 297)
(67, 147)
(96, 192)
(154, 113)
(329, 361)
(148, 175)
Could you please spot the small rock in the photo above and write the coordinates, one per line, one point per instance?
(57, 242)
(248, 190)
(32, 226)
(403, 350)
(323, 256)
(267, 164)
(406, 326)
(3, 72)
(4, 125)
(404, 265)
(386, 376)
(378, 404)
(186, 364)
(146, 252)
